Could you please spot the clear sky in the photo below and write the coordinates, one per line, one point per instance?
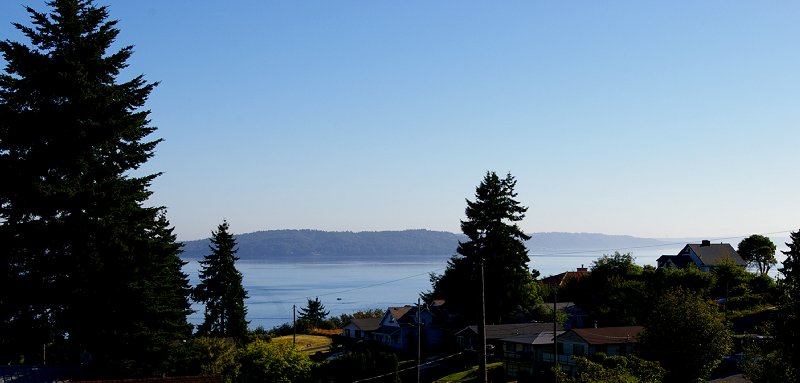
(647, 118)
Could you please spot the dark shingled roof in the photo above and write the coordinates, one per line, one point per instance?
(509, 330)
(367, 324)
(712, 253)
(609, 335)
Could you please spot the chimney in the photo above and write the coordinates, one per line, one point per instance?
(705, 243)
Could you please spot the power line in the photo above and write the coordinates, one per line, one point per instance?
(408, 368)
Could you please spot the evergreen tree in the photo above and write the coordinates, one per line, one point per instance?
(221, 289)
(314, 312)
(497, 241)
(100, 271)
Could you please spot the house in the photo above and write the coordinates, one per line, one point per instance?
(562, 279)
(361, 328)
(589, 341)
(705, 256)
(523, 355)
(467, 338)
(402, 328)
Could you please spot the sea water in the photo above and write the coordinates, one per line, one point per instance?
(276, 289)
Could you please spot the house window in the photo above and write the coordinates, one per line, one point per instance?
(510, 346)
(579, 349)
(358, 333)
(347, 332)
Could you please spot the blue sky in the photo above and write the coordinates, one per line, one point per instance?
(647, 118)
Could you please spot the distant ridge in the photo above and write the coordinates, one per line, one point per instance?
(317, 245)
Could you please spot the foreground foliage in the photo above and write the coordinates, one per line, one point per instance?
(264, 361)
(777, 358)
(613, 370)
(686, 334)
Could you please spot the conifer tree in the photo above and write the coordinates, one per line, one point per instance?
(314, 312)
(99, 270)
(496, 240)
(220, 288)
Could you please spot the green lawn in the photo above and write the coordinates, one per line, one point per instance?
(470, 375)
(309, 344)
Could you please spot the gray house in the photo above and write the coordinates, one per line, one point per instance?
(361, 328)
(705, 256)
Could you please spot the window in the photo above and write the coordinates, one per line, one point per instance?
(578, 349)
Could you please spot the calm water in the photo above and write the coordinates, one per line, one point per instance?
(345, 287)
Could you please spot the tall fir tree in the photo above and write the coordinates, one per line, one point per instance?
(314, 312)
(100, 270)
(496, 240)
(220, 288)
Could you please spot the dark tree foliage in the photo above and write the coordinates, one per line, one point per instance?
(496, 240)
(686, 334)
(314, 312)
(613, 293)
(613, 369)
(758, 250)
(86, 268)
(778, 359)
(220, 289)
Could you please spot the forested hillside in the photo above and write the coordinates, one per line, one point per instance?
(313, 245)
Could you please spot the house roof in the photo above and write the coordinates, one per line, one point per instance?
(399, 312)
(544, 337)
(678, 261)
(712, 253)
(507, 330)
(563, 278)
(609, 335)
(366, 324)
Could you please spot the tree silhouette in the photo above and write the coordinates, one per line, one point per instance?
(758, 250)
(497, 241)
(314, 312)
(100, 270)
(220, 288)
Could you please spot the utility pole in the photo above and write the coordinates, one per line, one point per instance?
(419, 342)
(555, 343)
(482, 334)
(294, 326)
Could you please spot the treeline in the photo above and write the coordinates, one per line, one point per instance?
(315, 244)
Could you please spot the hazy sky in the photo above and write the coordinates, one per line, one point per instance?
(647, 118)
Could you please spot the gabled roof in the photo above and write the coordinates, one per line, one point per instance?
(544, 337)
(366, 324)
(678, 261)
(398, 312)
(563, 278)
(712, 253)
(508, 330)
(609, 335)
